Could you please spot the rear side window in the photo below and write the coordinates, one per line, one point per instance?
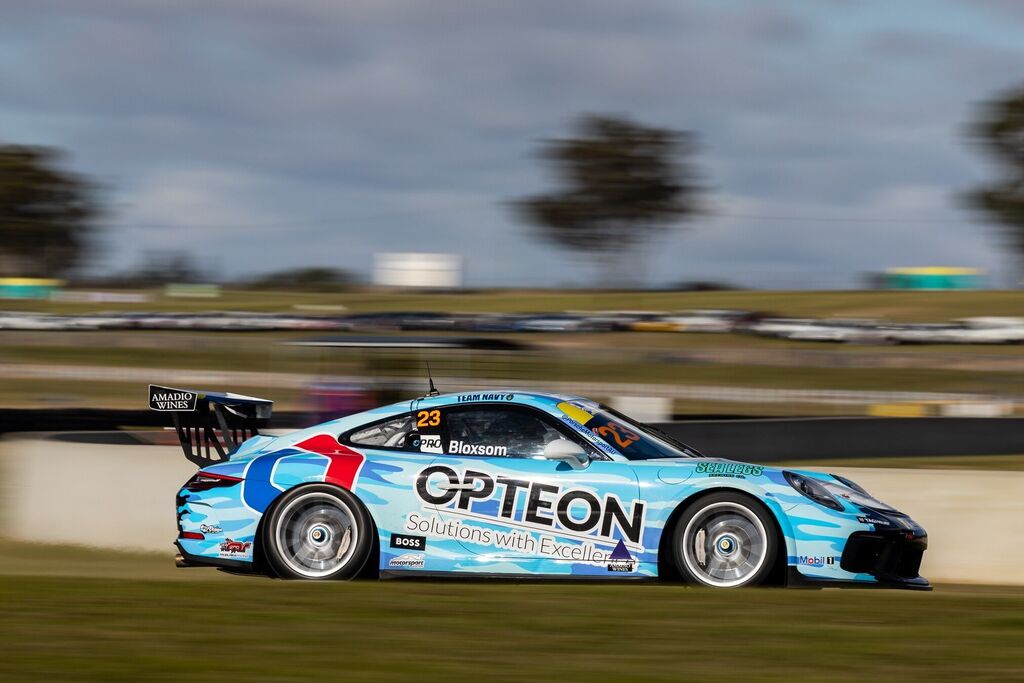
(389, 434)
(498, 433)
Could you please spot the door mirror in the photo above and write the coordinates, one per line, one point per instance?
(568, 452)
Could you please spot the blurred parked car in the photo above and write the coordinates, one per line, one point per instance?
(553, 322)
(651, 322)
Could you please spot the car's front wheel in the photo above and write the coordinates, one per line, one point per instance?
(725, 540)
(317, 532)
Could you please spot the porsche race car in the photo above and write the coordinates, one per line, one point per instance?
(514, 484)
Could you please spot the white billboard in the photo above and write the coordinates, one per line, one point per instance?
(412, 269)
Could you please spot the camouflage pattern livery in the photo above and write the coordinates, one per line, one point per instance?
(444, 503)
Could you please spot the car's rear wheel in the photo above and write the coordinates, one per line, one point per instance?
(725, 540)
(318, 532)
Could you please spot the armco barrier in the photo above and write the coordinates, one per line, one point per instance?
(774, 440)
(122, 496)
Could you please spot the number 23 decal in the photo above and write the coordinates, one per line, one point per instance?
(623, 439)
(428, 418)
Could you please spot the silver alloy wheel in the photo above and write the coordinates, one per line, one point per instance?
(317, 534)
(724, 545)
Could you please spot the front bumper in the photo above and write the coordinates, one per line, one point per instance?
(889, 556)
(884, 558)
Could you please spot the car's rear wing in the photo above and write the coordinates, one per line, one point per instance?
(210, 425)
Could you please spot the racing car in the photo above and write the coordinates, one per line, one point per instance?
(514, 484)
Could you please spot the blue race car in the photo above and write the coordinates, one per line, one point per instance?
(514, 484)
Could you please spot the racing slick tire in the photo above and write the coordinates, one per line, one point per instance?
(317, 532)
(725, 540)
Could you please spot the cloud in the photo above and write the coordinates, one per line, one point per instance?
(334, 130)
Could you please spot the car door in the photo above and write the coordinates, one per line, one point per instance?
(396, 450)
(513, 511)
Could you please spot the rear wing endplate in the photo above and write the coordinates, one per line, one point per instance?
(210, 425)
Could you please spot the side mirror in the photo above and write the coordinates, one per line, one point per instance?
(568, 452)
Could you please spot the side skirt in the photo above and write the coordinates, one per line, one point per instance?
(511, 578)
(794, 579)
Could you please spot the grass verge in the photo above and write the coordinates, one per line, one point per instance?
(65, 628)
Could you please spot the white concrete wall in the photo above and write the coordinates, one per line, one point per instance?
(123, 497)
(975, 520)
(88, 494)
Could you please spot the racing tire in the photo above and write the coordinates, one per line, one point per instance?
(317, 532)
(725, 540)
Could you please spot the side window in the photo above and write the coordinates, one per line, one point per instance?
(388, 434)
(498, 433)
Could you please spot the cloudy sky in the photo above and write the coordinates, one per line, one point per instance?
(263, 134)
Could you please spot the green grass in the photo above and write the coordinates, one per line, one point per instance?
(80, 614)
(28, 393)
(65, 628)
(593, 364)
(54, 393)
(1013, 463)
(271, 351)
(43, 560)
(253, 357)
(911, 306)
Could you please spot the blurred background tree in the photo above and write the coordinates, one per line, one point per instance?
(1000, 131)
(311, 279)
(622, 184)
(47, 214)
(161, 267)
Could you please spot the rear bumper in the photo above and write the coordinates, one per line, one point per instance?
(214, 527)
(188, 559)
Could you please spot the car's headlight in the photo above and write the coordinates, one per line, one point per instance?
(850, 491)
(851, 484)
(813, 489)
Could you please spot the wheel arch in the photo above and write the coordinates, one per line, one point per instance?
(782, 529)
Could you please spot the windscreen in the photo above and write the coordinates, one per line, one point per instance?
(632, 439)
